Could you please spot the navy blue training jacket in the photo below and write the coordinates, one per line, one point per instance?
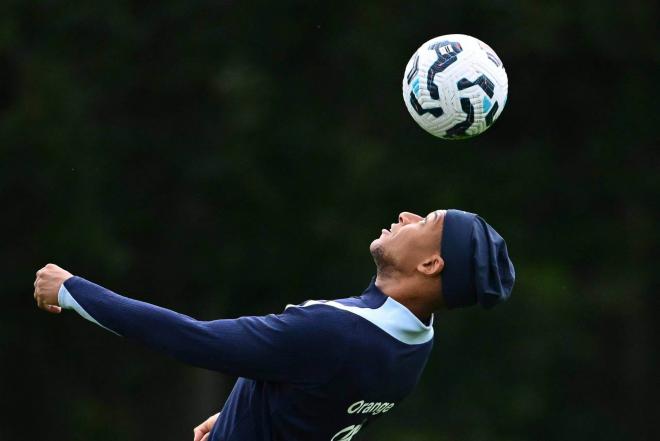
(321, 370)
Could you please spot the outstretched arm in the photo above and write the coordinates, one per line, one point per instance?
(300, 345)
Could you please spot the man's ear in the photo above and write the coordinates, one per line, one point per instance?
(431, 266)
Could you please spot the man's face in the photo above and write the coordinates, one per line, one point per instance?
(408, 243)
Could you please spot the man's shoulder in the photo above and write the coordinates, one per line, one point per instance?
(367, 313)
(314, 326)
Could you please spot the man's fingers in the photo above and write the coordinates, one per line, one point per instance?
(205, 426)
(203, 431)
(197, 434)
(53, 309)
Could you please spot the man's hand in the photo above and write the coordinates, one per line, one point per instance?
(47, 286)
(203, 431)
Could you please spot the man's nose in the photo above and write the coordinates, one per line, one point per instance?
(407, 218)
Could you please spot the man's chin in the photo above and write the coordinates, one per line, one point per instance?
(375, 244)
(379, 255)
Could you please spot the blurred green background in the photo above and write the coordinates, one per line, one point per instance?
(226, 158)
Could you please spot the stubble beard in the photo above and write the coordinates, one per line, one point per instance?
(384, 265)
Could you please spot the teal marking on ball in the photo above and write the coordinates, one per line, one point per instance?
(487, 104)
(415, 87)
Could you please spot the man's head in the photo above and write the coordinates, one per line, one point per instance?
(409, 254)
(452, 257)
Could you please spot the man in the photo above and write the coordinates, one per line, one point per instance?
(321, 370)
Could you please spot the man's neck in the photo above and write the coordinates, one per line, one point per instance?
(406, 294)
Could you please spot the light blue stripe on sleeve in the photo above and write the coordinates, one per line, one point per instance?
(66, 301)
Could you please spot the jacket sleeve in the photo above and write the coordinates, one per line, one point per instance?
(301, 345)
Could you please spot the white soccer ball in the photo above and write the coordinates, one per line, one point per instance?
(455, 86)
